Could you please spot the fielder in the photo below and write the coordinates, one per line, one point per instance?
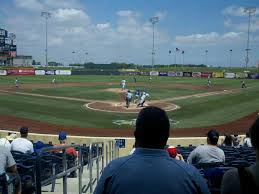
(143, 99)
(123, 84)
(53, 81)
(209, 82)
(243, 84)
(17, 83)
(128, 98)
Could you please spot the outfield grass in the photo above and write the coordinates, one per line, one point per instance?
(194, 112)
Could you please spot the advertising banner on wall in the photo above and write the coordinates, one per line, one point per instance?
(21, 71)
(218, 74)
(171, 74)
(206, 74)
(179, 74)
(163, 74)
(39, 72)
(154, 73)
(187, 74)
(3, 72)
(241, 75)
(253, 76)
(229, 75)
(196, 74)
(49, 72)
(63, 72)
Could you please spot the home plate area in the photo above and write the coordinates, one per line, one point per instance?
(120, 107)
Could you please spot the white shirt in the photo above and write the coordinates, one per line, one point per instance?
(5, 143)
(123, 82)
(129, 95)
(247, 142)
(22, 145)
(143, 97)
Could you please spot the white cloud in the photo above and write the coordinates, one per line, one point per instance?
(63, 3)
(103, 26)
(126, 13)
(32, 5)
(242, 26)
(55, 41)
(161, 14)
(208, 38)
(70, 15)
(237, 11)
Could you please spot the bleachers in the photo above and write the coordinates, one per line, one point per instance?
(213, 173)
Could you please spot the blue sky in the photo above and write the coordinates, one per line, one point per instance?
(116, 30)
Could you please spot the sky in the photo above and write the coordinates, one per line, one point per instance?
(120, 30)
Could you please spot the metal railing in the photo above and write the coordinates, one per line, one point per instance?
(65, 171)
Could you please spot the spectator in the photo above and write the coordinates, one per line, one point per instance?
(236, 140)
(62, 137)
(210, 153)
(150, 169)
(6, 141)
(22, 144)
(247, 141)
(173, 153)
(228, 141)
(8, 167)
(244, 179)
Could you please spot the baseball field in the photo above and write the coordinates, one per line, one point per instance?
(94, 105)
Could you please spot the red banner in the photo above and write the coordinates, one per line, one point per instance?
(21, 71)
(206, 74)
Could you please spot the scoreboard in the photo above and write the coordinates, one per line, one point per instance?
(6, 48)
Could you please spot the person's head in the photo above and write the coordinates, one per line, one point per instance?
(24, 132)
(11, 136)
(62, 136)
(247, 135)
(228, 141)
(212, 137)
(254, 134)
(152, 128)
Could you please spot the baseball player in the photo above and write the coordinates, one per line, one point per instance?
(143, 99)
(16, 82)
(53, 81)
(123, 84)
(135, 79)
(137, 95)
(209, 82)
(128, 98)
(243, 84)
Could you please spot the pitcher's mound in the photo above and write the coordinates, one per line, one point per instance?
(120, 107)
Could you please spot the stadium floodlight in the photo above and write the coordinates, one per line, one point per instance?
(86, 53)
(206, 56)
(250, 11)
(153, 20)
(46, 15)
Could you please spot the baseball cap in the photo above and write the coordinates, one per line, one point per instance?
(11, 137)
(172, 151)
(24, 130)
(62, 135)
(213, 136)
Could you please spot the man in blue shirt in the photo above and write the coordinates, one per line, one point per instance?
(150, 170)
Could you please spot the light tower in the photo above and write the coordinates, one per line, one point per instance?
(153, 20)
(230, 57)
(46, 15)
(86, 53)
(250, 11)
(206, 56)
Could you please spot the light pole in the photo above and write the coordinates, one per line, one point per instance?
(46, 15)
(250, 11)
(73, 52)
(153, 20)
(86, 57)
(230, 57)
(206, 56)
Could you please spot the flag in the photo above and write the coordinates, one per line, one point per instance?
(182, 52)
(170, 51)
(177, 49)
(230, 50)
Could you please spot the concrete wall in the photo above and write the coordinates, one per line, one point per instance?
(129, 142)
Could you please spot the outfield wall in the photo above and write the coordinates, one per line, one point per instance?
(129, 142)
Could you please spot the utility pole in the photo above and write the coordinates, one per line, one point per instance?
(206, 56)
(46, 15)
(250, 11)
(230, 57)
(153, 20)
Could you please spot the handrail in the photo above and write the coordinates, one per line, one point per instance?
(66, 170)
